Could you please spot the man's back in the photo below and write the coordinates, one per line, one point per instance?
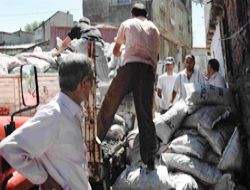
(141, 38)
(82, 30)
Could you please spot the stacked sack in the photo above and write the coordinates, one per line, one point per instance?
(206, 145)
(200, 143)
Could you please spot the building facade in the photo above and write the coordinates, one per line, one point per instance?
(16, 38)
(174, 20)
(172, 17)
(59, 19)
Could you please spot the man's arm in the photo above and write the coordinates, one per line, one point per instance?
(159, 92)
(24, 147)
(173, 97)
(64, 45)
(116, 50)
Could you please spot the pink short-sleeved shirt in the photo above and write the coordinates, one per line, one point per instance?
(142, 41)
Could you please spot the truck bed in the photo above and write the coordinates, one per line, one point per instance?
(10, 92)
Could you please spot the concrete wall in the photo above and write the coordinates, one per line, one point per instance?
(234, 19)
(174, 21)
(237, 55)
(216, 49)
(5, 38)
(96, 10)
(59, 19)
(39, 33)
(201, 58)
(19, 37)
(110, 11)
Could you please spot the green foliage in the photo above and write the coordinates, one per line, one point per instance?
(30, 27)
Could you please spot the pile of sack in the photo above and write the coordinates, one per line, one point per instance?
(200, 144)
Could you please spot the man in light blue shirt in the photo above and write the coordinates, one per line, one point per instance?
(49, 149)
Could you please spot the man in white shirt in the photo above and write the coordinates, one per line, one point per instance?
(49, 149)
(214, 77)
(137, 75)
(165, 84)
(188, 75)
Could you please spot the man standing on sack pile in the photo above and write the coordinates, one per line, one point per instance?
(188, 75)
(137, 75)
(165, 84)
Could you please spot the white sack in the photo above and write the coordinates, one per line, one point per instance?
(207, 116)
(9, 62)
(207, 173)
(218, 136)
(233, 154)
(133, 151)
(141, 179)
(41, 65)
(169, 122)
(3, 69)
(43, 56)
(116, 132)
(182, 181)
(207, 94)
(189, 145)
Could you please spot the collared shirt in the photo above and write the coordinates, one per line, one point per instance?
(217, 80)
(142, 41)
(182, 78)
(50, 143)
(166, 84)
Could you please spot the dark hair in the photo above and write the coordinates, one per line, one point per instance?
(139, 9)
(73, 68)
(214, 63)
(190, 56)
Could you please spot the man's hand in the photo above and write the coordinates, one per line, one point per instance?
(55, 54)
(51, 184)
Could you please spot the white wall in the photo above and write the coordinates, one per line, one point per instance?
(59, 19)
(216, 49)
(39, 34)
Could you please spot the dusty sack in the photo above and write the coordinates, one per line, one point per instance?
(218, 136)
(207, 94)
(182, 181)
(168, 123)
(207, 116)
(133, 151)
(207, 173)
(140, 179)
(189, 145)
(225, 183)
(233, 153)
(211, 157)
